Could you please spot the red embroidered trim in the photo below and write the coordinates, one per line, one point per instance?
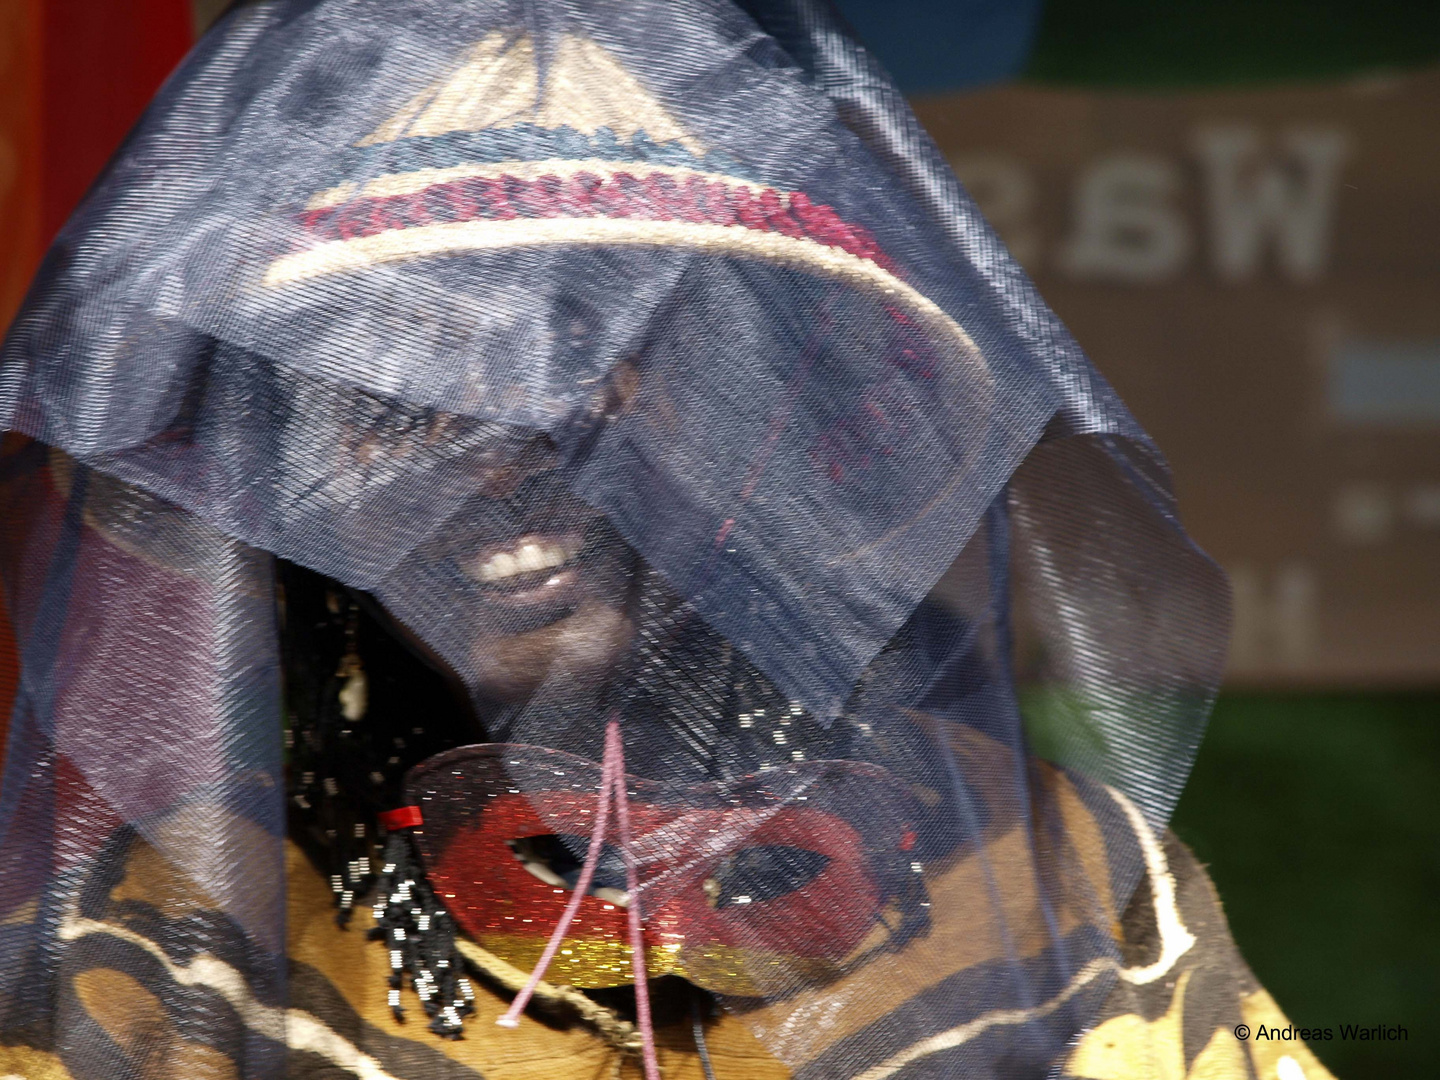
(406, 817)
(654, 197)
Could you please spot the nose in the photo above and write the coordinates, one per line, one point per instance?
(500, 481)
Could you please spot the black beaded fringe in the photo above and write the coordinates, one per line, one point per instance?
(420, 935)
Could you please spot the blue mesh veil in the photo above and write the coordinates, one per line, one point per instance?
(672, 312)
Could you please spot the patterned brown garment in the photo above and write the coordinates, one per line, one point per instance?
(130, 984)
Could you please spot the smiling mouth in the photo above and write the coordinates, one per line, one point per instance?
(529, 562)
(537, 577)
(538, 574)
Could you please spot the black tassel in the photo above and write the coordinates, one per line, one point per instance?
(362, 710)
(420, 935)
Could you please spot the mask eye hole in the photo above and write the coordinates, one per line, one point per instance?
(755, 875)
(552, 859)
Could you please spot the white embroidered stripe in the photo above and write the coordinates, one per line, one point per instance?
(396, 245)
(408, 183)
(957, 1036)
(1175, 941)
(291, 1027)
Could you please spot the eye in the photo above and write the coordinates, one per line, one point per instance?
(552, 859)
(765, 872)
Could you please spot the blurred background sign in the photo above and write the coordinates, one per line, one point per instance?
(1258, 273)
(1235, 206)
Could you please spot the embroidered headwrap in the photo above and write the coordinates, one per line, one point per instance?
(643, 364)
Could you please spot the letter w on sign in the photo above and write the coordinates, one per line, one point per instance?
(1254, 197)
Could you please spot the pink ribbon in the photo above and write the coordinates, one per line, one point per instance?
(612, 785)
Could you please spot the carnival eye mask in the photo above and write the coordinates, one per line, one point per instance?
(773, 880)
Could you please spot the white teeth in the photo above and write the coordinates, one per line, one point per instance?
(529, 557)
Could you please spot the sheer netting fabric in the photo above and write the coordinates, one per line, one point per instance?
(632, 362)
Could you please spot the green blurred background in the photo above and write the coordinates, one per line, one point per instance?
(1141, 44)
(1319, 819)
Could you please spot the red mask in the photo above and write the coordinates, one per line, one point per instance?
(755, 886)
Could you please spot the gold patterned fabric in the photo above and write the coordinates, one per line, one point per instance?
(1178, 1022)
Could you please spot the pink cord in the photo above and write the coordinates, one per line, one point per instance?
(582, 888)
(612, 783)
(613, 744)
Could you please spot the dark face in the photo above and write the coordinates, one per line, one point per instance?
(552, 578)
(551, 573)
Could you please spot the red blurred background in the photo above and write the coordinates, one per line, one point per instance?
(77, 74)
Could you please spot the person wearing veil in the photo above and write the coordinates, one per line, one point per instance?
(549, 539)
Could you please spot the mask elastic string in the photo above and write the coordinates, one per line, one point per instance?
(614, 748)
(582, 886)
